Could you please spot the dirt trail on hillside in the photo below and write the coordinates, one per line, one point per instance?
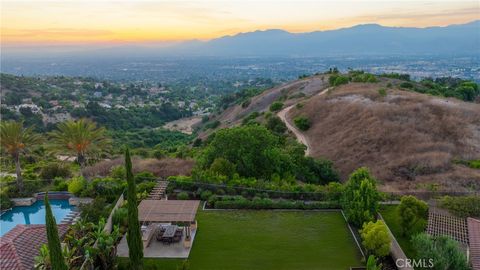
(300, 136)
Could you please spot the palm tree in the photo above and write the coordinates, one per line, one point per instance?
(81, 138)
(16, 139)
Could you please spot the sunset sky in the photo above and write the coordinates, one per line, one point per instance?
(84, 22)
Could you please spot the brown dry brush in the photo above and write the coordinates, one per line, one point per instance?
(159, 167)
(404, 136)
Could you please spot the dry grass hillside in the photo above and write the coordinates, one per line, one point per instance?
(162, 168)
(292, 91)
(408, 140)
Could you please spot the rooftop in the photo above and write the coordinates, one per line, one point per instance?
(20, 245)
(167, 210)
(474, 239)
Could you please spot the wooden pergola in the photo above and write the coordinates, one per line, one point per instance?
(168, 211)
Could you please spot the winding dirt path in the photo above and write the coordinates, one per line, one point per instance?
(300, 136)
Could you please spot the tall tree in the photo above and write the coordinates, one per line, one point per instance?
(81, 138)
(360, 197)
(15, 140)
(56, 255)
(413, 215)
(134, 238)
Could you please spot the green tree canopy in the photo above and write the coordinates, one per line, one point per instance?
(81, 138)
(248, 147)
(376, 238)
(15, 140)
(360, 197)
(413, 215)
(444, 253)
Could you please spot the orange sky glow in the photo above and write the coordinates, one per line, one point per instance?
(84, 22)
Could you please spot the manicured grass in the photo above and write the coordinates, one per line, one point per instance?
(269, 240)
(389, 213)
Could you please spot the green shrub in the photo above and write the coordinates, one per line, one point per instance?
(5, 202)
(250, 118)
(276, 106)
(53, 170)
(302, 123)
(144, 176)
(60, 184)
(146, 186)
(94, 211)
(382, 92)
(408, 85)
(205, 195)
(474, 164)
(376, 238)
(442, 250)
(77, 185)
(222, 166)
(336, 80)
(212, 125)
(276, 125)
(246, 103)
(468, 206)
(159, 154)
(120, 217)
(118, 172)
(239, 202)
(108, 188)
(183, 196)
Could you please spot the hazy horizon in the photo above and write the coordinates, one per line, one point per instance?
(106, 23)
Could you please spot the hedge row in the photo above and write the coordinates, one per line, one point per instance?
(259, 203)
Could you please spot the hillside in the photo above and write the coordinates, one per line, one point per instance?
(408, 140)
(290, 92)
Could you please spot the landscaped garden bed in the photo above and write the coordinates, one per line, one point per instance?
(246, 239)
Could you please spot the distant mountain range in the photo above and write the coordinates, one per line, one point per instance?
(367, 39)
(360, 40)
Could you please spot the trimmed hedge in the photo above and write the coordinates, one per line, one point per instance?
(238, 202)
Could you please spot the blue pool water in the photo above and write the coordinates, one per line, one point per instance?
(33, 214)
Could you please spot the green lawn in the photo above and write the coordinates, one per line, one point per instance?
(389, 213)
(269, 240)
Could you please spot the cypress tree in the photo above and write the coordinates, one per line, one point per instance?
(56, 256)
(134, 238)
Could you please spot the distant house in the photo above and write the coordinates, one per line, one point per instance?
(104, 105)
(34, 108)
(98, 85)
(20, 246)
(97, 94)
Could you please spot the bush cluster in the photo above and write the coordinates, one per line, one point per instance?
(302, 123)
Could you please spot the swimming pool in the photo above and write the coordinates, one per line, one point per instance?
(33, 214)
